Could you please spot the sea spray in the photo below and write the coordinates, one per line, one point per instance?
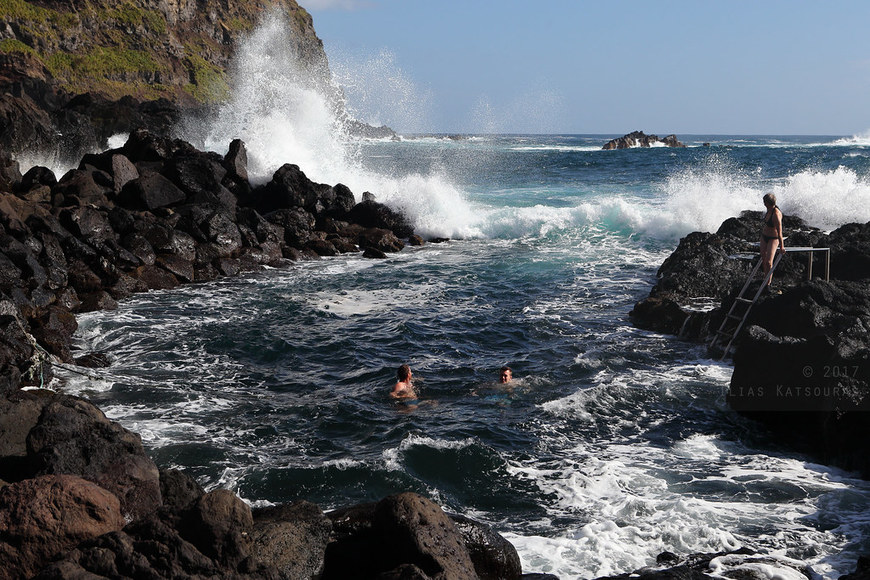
(378, 91)
(826, 199)
(285, 117)
(281, 114)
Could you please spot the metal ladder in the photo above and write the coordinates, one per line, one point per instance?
(740, 301)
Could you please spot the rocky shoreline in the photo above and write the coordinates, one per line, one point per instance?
(802, 362)
(79, 497)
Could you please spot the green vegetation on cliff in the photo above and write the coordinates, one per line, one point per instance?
(117, 48)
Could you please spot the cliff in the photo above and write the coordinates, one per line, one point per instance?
(138, 63)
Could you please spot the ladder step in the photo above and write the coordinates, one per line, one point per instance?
(724, 333)
(744, 300)
(735, 317)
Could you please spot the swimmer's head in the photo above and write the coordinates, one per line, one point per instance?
(404, 373)
(506, 375)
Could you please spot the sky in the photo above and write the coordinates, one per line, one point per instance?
(769, 67)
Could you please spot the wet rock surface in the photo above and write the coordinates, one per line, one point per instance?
(641, 139)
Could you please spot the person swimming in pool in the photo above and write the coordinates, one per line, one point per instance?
(404, 388)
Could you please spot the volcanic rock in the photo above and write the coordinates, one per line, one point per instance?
(641, 139)
(74, 437)
(292, 538)
(371, 214)
(43, 517)
(404, 529)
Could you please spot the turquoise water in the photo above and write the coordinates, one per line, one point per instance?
(613, 444)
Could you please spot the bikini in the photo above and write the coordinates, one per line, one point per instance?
(769, 223)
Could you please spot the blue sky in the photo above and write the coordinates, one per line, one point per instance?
(572, 66)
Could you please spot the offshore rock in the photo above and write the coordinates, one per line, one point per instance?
(43, 517)
(641, 139)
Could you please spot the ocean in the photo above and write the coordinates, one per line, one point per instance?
(612, 445)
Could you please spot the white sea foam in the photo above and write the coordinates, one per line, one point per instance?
(859, 140)
(635, 501)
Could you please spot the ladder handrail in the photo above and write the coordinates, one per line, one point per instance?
(754, 300)
(737, 301)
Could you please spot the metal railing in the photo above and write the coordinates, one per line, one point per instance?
(810, 252)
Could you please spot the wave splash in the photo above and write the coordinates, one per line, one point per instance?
(283, 116)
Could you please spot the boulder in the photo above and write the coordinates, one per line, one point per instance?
(93, 301)
(82, 278)
(399, 531)
(341, 201)
(19, 413)
(54, 330)
(659, 314)
(35, 177)
(494, 557)
(123, 172)
(10, 173)
(147, 548)
(15, 348)
(178, 490)
(221, 229)
(182, 269)
(219, 524)
(150, 191)
(297, 224)
(379, 239)
(371, 214)
(80, 186)
(54, 260)
(236, 159)
(43, 517)
(86, 222)
(155, 277)
(74, 437)
(289, 188)
(137, 245)
(195, 174)
(374, 254)
(322, 247)
(292, 538)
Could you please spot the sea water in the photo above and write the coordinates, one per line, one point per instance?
(612, 445)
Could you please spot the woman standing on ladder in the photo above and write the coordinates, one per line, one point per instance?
(771, 235)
